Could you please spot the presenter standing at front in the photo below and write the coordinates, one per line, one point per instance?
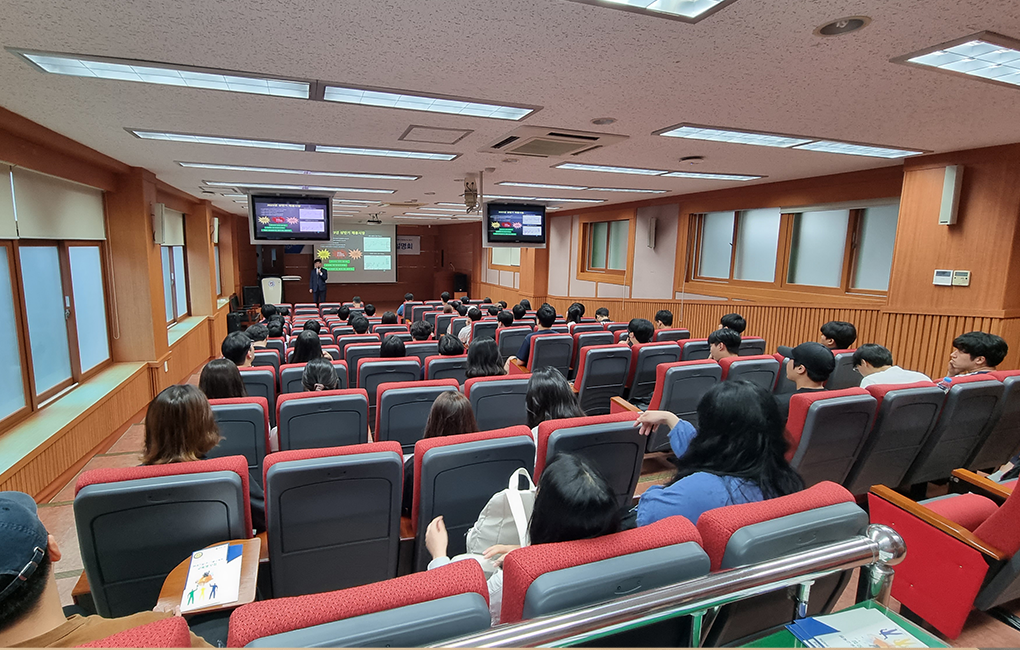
(318, 284)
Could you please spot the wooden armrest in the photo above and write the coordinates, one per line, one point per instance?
(938, 522)
(619, 405)
(406, 529)
(81, 588)
(518, 368)
(973, 482)
(264, 548)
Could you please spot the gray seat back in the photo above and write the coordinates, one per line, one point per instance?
(587, 339)
(133, 533)
(385, 371)
(960, 430)
(649, 356)
(671, 334)
(290, 378)
(314, 420)
(403, 413)
(615, 448)
(242, 433)
(499, 402)
(1003, 439)
(581, 328)
(347, 339)
(602, 377)
(410, 626)
(761, 371)
(418, 311)
(844, 375)
(509, 340)
(279, 345)
(616, 327)
(751, 346)
(261, 382)
(832, 436)
(440, 367)
(624, 575)
(678, 391)
(484, 329)
(457, 481)
(383, 330)
(422, 350)
(551, 350)
(443, 323)
(430, 318)
(354, 353)
(457, 324)
(342, 330)
(333, 522)
(904, 419)
(694, 350)
(267, 358)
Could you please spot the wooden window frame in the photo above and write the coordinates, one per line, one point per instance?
(782, 253)
(173, 319)
(505, 267)
(21, 327)
(605, 276)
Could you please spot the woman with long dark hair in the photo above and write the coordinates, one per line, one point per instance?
(307, 347)
(735, 456)
(550, 397)
(483, 359)
(220, 379)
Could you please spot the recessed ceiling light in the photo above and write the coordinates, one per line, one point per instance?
(77, 65)
(459, 205)
(431, 218)
(307, 172)
(627, 189)
(386, 153)
(842, 26)
(353, 202)
(426, 214)
(538, 198)
(688, 11)
(446, 210)
(785, 141)
(610, 169)
(212, 139)
(547, 186)
(986, 56)
(235, 196)
(603, 121)
(281, 186)
(707, 176)
(429, 104)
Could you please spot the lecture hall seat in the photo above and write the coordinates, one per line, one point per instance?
(551, 350)
(1002, 441)
(403, 409)
(244, 431)
(602, 372)
(172, 632)
(679, 387)
(760, 369)
(291, 374)
(645, 359)
(498, 401)
(670, 334)
(328, 418)
(509, 339)
(826, 430)
(446, 367)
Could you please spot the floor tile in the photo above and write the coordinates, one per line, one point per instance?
(59, 522)
(111, 460)
(132, 440)
(64, 588)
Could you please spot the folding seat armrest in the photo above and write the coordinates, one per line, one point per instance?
(964, 480)
(518, 368)
(938, 522)
(619, 405)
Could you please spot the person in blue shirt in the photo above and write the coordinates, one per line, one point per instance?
(737, 456)
(408, 297)
(546, 316)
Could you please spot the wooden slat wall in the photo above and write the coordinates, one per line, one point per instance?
(81, 437)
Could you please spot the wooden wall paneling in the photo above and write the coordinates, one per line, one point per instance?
(174, 198)
(228, 252)
(247, 262)
(217, 330)
(200, 259)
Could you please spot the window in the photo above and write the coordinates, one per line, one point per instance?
(845, 250)
(175, 283)
(505, 257)
(12, 397)
(607, 245)
(90, 304)
(216, 259)
(46, 316)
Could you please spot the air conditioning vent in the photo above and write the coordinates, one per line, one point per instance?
(544, 142)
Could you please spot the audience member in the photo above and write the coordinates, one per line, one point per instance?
(974, 353)
(723, 343)
(421, 330)
(808, 367)
(574, 501)
(357, 304)
(31, 615)
(546, 317)
(483, 359)
(389, 318)
(450, 346)
(663, 318)
(602, 315)
(579, 305)
(573, 317)
(492, 310)
(408, 297)
(838, 335)
(474, 315)
(451, 415)
(237, 347)
(526, 304)
(734, 322)
(274, 329)
(268, 311)
(505, 319)
(736, 455)
(550, 397)
(502, 304)
(370, 310)
(875, 365)
(448, 308)
(639, 330)
(220, 379)
(343, 313)
(319, 375)
(307, 347)
(445, 297)
(462, 310)
(313, 325)
(518, 311)
(486, 300)
(392, 346)
(258, 333)
(359, 323)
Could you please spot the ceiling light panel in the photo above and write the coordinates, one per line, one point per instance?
(281, 186)
(688, 11)
(610, 169)
(781, 140)
(212, 139)
(386, 153)
(627, 189)
(706, 176)
(711, 134)
(307, 172)
(986, 56)
(851, 149)
(428, 104)
(167, 75)
(546, 186)
(538, 198)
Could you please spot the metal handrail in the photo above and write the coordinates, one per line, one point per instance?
(881, 548)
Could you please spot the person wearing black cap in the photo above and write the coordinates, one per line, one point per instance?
(808, 366)
(30, 611)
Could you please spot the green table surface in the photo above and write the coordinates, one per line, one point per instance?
(785, 639)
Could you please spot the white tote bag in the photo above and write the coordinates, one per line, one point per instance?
(505, 518)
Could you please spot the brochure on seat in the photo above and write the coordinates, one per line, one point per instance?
(214, 577)
(855, 628)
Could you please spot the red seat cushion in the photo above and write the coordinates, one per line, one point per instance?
(396, 385)
(969, 510)
(799, 405)
(170, 632)
(425, 444)
(279, 615)
(716, 526)
(546, 429)
(522, 566)
(1002, 374)
(1002, 528)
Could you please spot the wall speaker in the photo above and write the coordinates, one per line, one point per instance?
(651, 232)
(951, 185)
(158, 233)
(460, 282)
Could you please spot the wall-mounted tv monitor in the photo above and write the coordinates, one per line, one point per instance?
(515, 224)
(290, 219)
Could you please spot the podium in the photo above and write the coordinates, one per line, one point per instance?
(272, 291)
